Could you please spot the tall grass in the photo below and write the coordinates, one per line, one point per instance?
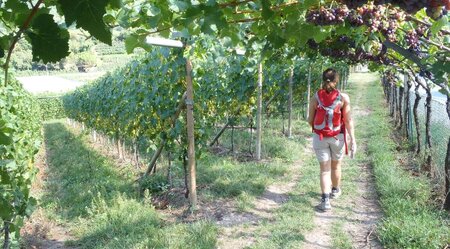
(410, 220)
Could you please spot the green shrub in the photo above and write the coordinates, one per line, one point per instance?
(155, 183)
(51, 108)
(20, 136)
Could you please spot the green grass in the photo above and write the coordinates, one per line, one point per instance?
(97, 201)
(340, 239)
(295, 217)
(410, 220)
(127, 223)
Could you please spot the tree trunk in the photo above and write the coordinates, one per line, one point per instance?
(394, 103)
(169, 169)
(291, 83)
(251, 138)
(232, 138)
(407, 107)
(136, 153)
(447, 171)
(416, 118)
(157, 153)
(259, 114)
(428, 132)
(190, 135)
(400, 107)
(216, 138)
(447, 164)
(6, 238)
(186, 181)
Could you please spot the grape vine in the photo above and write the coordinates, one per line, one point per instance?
(20, 137)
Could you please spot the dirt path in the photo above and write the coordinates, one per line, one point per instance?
(359, 211)
(237, 229)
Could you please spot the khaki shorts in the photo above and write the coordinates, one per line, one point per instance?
(329, 147)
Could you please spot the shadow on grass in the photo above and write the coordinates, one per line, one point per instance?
(77, 174)
(226, 177)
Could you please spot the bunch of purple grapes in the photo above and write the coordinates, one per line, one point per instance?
(335, 49)
(325, 16)
(412, 39)
(355, 19)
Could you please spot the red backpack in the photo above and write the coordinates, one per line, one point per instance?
(328, 120)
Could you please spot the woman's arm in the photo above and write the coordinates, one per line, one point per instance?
(349, 125)
(312, 110)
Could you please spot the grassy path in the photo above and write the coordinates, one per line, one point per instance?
(355, 214)
(89, 200)
(295, 224)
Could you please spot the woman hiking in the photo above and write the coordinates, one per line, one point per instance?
(331, 120)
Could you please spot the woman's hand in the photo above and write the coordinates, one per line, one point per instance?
(352, 148)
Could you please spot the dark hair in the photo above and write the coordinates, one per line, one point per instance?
(330, 75)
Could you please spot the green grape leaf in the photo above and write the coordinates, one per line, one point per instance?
(4, 42)
(320, 35)
(5, 209)
(213, 21)
(49, 42)
(109, 19)
(178, 6)
(342, 30)
(439, 24)
(2, 53)
(88, 14)
(5, 139)
(305, 32)
(16, 6)
(115, 4)
(134, 41)
(266, 11)
(275, 40)
(20, 11)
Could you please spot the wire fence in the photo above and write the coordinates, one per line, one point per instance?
(439, 126)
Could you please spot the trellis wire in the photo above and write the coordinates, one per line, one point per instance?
(439, 124)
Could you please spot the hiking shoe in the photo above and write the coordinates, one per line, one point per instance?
(324, 205)
(335, 193)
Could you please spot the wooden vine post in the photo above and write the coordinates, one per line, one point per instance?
(189, 101)
(190, 135)
(291, 83)
(416, 118)
(259, 113)
(308, 93)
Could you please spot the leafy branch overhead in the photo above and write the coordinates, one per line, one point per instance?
(88, 14)
(49, 39)
(49, 42)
